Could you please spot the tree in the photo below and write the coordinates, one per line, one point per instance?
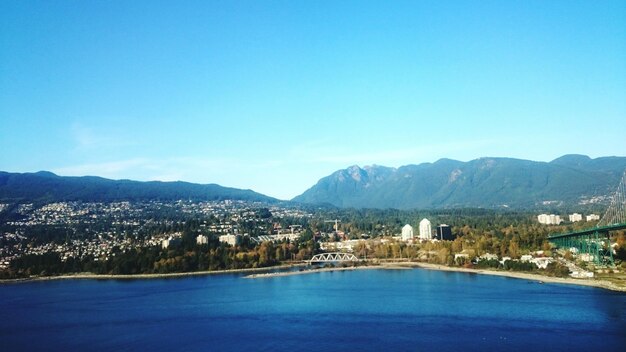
(514, 249)
(361, 249)
(557, 269)
(457, 245)
(442, 256)
(266, 249)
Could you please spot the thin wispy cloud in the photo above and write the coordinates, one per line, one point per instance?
(112, 169)
(166, 169)
(269, 176)
(87, 138)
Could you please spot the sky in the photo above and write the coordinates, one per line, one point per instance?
(274, 95)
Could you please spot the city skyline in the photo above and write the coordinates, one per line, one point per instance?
(273, 96)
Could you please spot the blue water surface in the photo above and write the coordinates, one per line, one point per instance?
(362, 310)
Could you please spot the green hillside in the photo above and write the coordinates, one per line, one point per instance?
(48, 187)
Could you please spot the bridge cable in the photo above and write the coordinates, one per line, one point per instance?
(616, 213)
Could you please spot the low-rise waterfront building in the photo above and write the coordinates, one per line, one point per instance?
(275, 238)
(341, 245)
(542, 263)
(526, 258)
(488, 256)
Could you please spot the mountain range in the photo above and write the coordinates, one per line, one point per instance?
(48, 187)
(484, 182)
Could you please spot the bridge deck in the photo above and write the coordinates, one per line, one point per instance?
(589, 231)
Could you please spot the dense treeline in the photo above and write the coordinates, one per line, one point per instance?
(377, 222)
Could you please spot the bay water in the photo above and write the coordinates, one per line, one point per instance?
(360, 310)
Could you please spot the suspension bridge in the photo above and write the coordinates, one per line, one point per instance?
(595, 242)
(333, 257)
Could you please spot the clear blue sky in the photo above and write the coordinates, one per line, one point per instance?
(273, 95)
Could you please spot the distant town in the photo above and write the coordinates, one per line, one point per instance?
(188, 236)
(99, 230)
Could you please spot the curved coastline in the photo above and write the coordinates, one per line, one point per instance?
(427, 266)
(257, 273)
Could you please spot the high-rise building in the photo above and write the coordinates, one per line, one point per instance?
(407, 232)
(444, 233)
(592, 217)
(425, 230)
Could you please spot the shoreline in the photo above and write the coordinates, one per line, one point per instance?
(90, 276)
(524, 276)
(428, 266)
(383, 266)
(322, 270)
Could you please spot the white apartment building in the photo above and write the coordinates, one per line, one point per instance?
(425, 230)
(549, 219)
(575, 217)
(407, 232)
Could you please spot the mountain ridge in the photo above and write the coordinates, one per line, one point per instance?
(488, 182)
(47, 186)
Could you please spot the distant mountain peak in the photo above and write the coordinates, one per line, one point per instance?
(45, 174)
(356, 173)
(354, 169)
(447, 161)
(572, 160)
